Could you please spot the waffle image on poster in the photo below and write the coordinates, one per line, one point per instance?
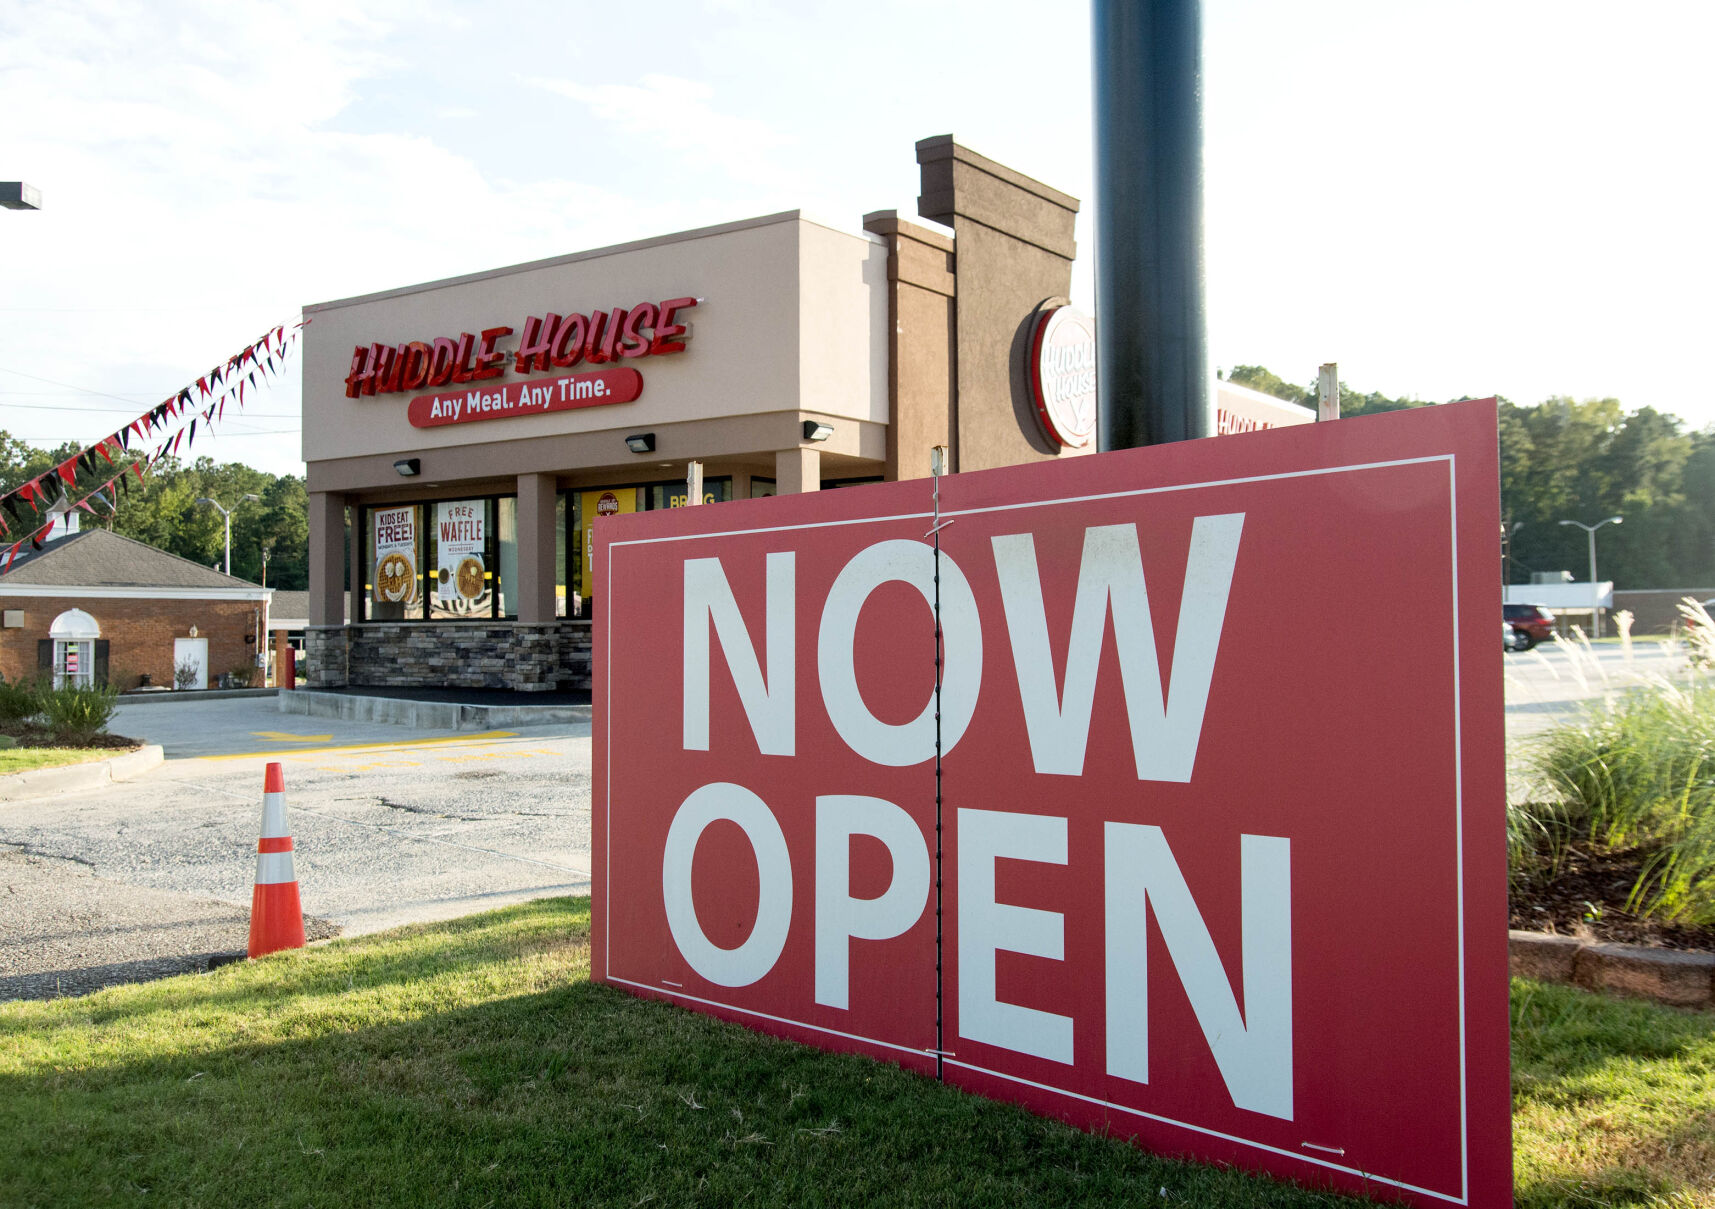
(394, 577)
(469, 575)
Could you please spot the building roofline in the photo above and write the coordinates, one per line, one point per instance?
(655, 241)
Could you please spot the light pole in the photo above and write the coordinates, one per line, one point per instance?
(227, 513)
(1595, 592)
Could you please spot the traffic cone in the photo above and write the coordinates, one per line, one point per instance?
(276, 917)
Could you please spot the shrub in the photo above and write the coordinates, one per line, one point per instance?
(19, 699)
(77, 713)
(185, 674)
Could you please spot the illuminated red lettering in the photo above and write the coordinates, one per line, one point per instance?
(632, 343)
(442, 363)
(461, 359)
(359, 371)
(533, 346)
(384, 362)
(596, 349)
(414, 370)
(598, 337)
(490, 364)
(666, 329)
(610, 337)
(569, 340)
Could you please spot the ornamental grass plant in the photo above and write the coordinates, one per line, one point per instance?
(1633, 773)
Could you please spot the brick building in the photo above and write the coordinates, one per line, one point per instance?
(97, 606)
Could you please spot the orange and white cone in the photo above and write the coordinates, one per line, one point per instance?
(276, 917)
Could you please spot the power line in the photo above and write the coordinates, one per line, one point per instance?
(258, 415)
(85, 390)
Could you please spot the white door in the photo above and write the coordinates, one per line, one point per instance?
(195, 652)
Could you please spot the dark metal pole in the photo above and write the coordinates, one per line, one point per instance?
(1151, 350)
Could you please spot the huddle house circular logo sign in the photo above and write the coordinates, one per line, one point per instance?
(1063, 375)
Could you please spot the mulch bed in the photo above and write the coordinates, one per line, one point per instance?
(1587, 899)
(24, 734)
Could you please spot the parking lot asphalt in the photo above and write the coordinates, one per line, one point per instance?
(1552, 683)
(391, 825)
(255, 726)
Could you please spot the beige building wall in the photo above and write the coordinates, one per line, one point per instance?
(793, 316)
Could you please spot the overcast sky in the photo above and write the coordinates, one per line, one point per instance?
(1446, 198)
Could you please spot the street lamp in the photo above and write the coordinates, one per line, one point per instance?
(1508, 531)
(1595, 592)
(227, 513)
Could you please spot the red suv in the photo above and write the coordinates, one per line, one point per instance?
(1531, 623)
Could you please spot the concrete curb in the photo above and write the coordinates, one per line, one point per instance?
(69, 778)
(1676, 977)
(427, 715)
(204, 694)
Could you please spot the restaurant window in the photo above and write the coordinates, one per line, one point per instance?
(672, 495)
(459, 543)
(761, 488)
(393, 546)
(563, 604)
(445, 560)
(506, 587)
(585, 506)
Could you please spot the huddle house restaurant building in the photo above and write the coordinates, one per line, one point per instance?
(463, 436)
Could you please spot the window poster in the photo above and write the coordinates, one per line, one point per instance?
(395, 545)
(594, 504)
(460, 543)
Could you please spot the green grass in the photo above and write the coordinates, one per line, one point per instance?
(23, 759)
(473, 1062)
(1613, 1100)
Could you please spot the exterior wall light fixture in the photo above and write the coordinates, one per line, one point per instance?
(815, 430)
(641, 442)
(409, 467)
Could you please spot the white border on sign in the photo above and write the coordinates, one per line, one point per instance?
(1463, 1196)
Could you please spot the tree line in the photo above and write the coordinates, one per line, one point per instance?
(1566, 459)
(1561, 459)
(163, 511)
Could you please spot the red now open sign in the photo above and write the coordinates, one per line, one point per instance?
(1220, 776)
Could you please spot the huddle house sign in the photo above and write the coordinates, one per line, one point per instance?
(1188, 876)
(462, 369)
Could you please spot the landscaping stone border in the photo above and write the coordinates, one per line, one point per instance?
(1677, 977)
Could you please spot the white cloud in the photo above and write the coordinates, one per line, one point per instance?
(676, 115)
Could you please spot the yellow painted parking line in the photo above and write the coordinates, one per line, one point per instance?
(281, 736)
(494, 755)
(304, 751)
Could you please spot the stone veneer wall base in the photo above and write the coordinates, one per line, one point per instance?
(463, 654)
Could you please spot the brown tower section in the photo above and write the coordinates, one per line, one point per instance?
(1013, 251)
(922, 336)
